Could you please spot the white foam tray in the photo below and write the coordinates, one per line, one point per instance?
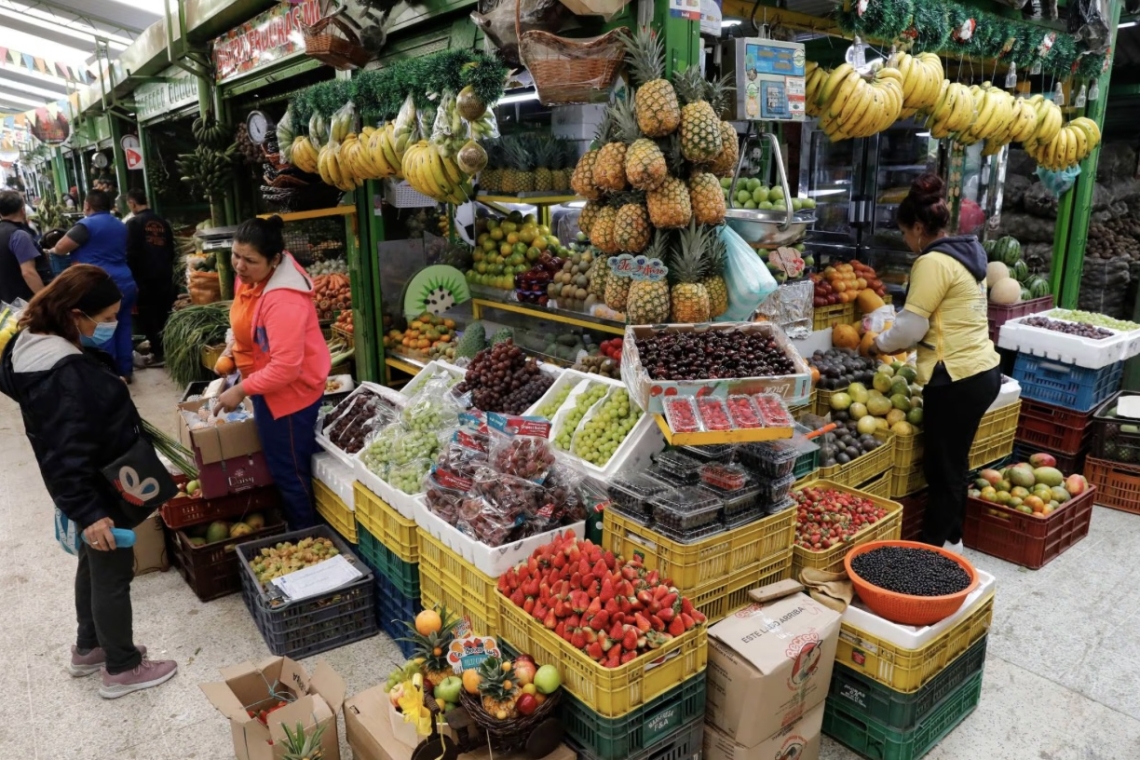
(335, 474)
(405, 504)
(1069, 349)
(1010, 392)
(916, 637)
(399, 399)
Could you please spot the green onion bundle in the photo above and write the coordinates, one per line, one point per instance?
(180, 456)
(187, 332)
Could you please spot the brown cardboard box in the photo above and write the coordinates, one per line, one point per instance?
(246, 687)
(769, 665)
(150, 546)
(229, 457)
(370, 734)
(799, 741)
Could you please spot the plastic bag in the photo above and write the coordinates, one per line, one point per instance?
(364, 413)
(444, 492)
(790, 307)
(497, 505)
(403, 127)
(749, 281)
(1088, 21)
(343, 122)
(463, 452)
(434, 407)
(485, 128)
(448, 133)
(1058, 183)
(318, 130)
(520, 446)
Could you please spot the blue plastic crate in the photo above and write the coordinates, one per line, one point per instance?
(1067, 385)
(393, 607)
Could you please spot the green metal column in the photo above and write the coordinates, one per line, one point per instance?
(151, 198)
(59, 173)
(121, 173)
(682, 39)
(364, 275)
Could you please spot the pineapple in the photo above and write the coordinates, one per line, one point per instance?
(432, 647)
(609, 170)
(522, 162)
(669, 205)
(299, 746)
(645, 166)
(690, 299)
(599, 274)
(648, 301)
(602, 233)
(700, 126)
(490, 178)
(658, 112)
(587, 217)
(545, 157)
(725, 164)
(714, 279)
(617, 290)
(631, 225)
(508, 177)
(497, 690)
(564, 156)
(582, 180)
(707, 198)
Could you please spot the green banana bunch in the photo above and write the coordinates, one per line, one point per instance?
(207, 131)
(208, 171)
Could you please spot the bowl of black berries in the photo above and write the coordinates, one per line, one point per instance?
(908, 582)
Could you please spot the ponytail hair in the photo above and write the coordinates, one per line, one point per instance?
(263, 235)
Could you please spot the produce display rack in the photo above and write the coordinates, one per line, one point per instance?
(481, 303)
(543, 200)
(714, 437)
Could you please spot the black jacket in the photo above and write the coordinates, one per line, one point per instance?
(150, 248)
(79, 417)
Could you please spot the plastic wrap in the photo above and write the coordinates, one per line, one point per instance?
(520, 446)
(1060, 182)
(444, 492)
(790, 307)
(497, 504)
(352, 422)
(448, 132)
(404, 127)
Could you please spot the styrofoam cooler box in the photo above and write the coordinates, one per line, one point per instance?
(335, 474)
(1065, 348)
(1010, 391)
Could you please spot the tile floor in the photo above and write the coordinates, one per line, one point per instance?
(1061, 677)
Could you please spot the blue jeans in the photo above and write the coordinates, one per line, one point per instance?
(289, 444)
(120, 347)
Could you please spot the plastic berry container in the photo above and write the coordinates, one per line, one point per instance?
(743, 412)
(774, 490)
(714, 414)
(686, 510)
(681, 414)
(727, 477)
(787, 503)
(667, 477)
(773, 411)
(747, 517)
(771, 459)
(690, 536)
(643, 520)
(633, 493)
(735, 502)
(681, 467)
(717, 452)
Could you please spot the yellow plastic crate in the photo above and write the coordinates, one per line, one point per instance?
(880, 485)
(722, 598)
(824, 317)
(908, 670)
(887, 529)
(823, 402)
(447, 578)
(864, 468)
(386, 525)
(693, 566)
(906, 482)
(332, 508)
(609, 692)
(807, 407)
(908, 451)
(1000, 420)
(987, 450)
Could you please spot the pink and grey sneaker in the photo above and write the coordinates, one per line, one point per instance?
(83, 665)
(148, 673)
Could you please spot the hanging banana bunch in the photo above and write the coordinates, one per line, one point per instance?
(208, 132)
(435, 175)
(208, 171)
(1069, 145)
(922, 78)
(850, 106)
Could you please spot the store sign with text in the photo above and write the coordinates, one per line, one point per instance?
(264, 39)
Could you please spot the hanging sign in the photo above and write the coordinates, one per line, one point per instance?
(158, 98)
(263, 40)
(132, 151)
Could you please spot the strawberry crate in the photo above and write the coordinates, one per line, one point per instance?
(449, 580)
(914, 511)
(1025, 539)
(212, 570)
(1066, 463)
(392, 609)
(999, 313)
(1002, 419)
(1067, 385)
(720, 598)
(1115, 438)
(886, 529)
(1117, 485)
(1053, 428)
(185, 511)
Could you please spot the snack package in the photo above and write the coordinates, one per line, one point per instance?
(520, 446)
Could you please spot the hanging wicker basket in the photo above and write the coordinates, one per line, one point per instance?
(569, 70)
(332, 40)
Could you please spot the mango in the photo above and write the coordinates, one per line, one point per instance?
(1050, 476)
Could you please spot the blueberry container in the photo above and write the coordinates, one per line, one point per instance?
(632, 493)
(667, 477)
(740, 500)
(685, 510)
(774, 490)
(787, 503)
(747, 517)
(691, 536)
(770, 459)
(681, 467)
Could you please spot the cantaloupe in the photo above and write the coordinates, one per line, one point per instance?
(996, 272)
(1007, 291)
(868, 300)
(844, 336)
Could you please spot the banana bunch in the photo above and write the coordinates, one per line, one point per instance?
(207, 131)
(369, 155)
(332, 170)
(814, 77)
(341, 124)
(995, 114)
(285, 135)
(952, 112)
(318, 131)
(208, 171)
(485, 128)
(922, 81)
(1049, 120)
(303, 154)
(401, 136)
(1019, 129)
(1069, 146)
(435, 175)
(448, 133)
(852, 107)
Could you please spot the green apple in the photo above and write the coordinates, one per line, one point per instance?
(809, 202)
(448, 690)
(750, 204)
(753, 183)
(797, 204)
(766, 205)
(743, 196)
(777, 192)
(760, 194)
(726, 182)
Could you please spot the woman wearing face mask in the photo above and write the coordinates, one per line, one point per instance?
(282, 357)
(945, 316)
(79, 417)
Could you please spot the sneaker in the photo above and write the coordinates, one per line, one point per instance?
(148, 673)
(83, 665)
(956, 548)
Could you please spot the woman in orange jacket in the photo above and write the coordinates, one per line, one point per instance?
(282, 357)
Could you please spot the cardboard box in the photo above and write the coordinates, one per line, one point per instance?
(229, 457)
(369, 729)
(150, 546)
(799, 741)
(769, 665)
(247, 687)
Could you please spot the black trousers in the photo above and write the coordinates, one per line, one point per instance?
(156, 299)
(103, 605)
(951, 414)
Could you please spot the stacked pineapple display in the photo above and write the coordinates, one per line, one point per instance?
(528, 163)
(654, 166)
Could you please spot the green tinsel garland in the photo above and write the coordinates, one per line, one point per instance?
(931, 26)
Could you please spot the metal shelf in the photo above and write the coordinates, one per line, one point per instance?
(575, 318)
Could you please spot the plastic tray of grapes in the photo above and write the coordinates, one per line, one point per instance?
(737, 501)
(681, 467)
(357, 417)
(727, 477)
(772, 459)
(685, 511)
(716, 452)
(774, 490)
(1049, 336)
(634, 492)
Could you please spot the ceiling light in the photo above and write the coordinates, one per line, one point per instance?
(1126, 24)
(523, 98)
(730, 22)
(12, 84)
(21, 99)
(5, 66)
(922, 134)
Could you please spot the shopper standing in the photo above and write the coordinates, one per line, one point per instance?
(150, 255)
(79, 418)
(945, 315)
(22, 263)
(101, 239)
(282, 357)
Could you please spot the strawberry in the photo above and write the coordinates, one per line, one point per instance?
(641, 622)
(528, 605)
(644, 597)
(687, 619)
(628, 657)
(666, 614)
(629, 572)
(518, 598)
(550, 621)
(600, 569)
(698, 616)
(618, 617)
(657, 623)
(577, 639)
(607, 591)
(594, 650)
(588, 580)
(652, 577)
(573, 621)
(594, 607)
(589, 634)
(559, 561)
(686, 605)
(561, 631)
(629, 641)
(617, 632)
(612, 662)
(615, 651)
(610, 560)
(624, 605)
(560, 609)
(659, 593)
(539, 610)
(576, 580)
(611, 606)
(677, 627)
(600, 621)
(669, 599)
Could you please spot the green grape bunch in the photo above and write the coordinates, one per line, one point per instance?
(565, 435)
(551, 407)
(601, 436)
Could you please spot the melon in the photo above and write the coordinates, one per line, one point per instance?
(879, 406)
(996, 272)
(218, 531)
(844, 336)
(1007, 291)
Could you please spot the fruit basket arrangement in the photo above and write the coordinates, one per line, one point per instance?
(908, 582)
(504, 698)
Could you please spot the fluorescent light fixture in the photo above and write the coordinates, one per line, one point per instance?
(1126, 25)
(523, 98)
(922, 134)
(58, 24)
(21, 99)
(821, 193)
(730, 23)
(12, 84)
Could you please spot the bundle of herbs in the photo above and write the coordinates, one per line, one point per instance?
(178, 455)
(187, 332)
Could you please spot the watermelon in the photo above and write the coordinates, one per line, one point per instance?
(990, 247)
(1019, 271)
(1007, 250)
(1025, 295)
(1038, 287)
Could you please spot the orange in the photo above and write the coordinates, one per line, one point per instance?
(471, 681)
(428, 622)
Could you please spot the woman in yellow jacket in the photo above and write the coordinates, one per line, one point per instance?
(945, 317)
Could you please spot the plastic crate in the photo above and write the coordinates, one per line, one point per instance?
(1109, 440)
(335, 511)
(1117, 484)
(317, 624)
(880, 485)
(684, 744)
(825, 317)
(1066, 463)
(720, 598)
(906, 482)
(914, 511)
(822, 403)
(908, 670)
(991, 449)
(609, 692)
(1066, 385)
(1000, 420)
(806, 464)
(908, 451)
(886, 529)
(212, 571)
(807, 407)
(392, 608)
(383, 561)
(1053, 428)
(850, 726)
(902, 712)
(999, 313)
(395, 531)
(449, 580)
(864, 468)
(400, 194)
(614, 738)
(1025, 539)
(693, 566)
(183, 512)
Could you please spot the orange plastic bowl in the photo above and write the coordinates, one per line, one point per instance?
(904, 608)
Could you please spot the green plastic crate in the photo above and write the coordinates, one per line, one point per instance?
(616, 738)
(405, 576)
(894, 709)
(849, 725)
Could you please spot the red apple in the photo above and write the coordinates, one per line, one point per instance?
(524, 657)
(526, 704)
(524, 671)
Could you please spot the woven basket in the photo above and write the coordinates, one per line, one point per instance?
(568, 70)
(508, 735)
(341, 51)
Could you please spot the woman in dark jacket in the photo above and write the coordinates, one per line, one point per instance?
(79, 417)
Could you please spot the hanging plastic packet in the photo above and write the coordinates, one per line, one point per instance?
(497, 505)
(1058, 182)
(318, 130)
(1094, 91)
(448, 131)
(1059, 95)
(444, 492)
(404, 127)
(1011, 76)
(486, 128)
(1082, 97)
(520, 446)
(749, 281)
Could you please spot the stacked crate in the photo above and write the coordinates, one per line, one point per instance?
(332, 494)
(389, 545)
(1113, 464)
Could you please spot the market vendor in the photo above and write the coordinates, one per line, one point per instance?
(946, 318)
(282, 357)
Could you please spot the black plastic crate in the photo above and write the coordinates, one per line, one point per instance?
(318, 624)
(1116, 439)
(393, 608)
(212, 570)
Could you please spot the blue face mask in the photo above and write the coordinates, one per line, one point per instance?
(104, 331)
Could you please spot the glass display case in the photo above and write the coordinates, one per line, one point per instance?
(830, 174)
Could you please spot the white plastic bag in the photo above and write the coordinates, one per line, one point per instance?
(749, 281)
